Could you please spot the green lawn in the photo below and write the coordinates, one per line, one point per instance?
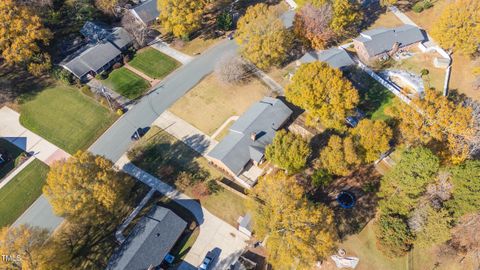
(10, 154)
(65, 117)
(126, 83)
(22, 191)
(164, 156)
(153, 63)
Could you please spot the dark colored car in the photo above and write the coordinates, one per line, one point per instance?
(207, 261)
(231, 36)
(139, 133)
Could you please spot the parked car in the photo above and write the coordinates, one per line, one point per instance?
(140, 132)
(207, 261)
(231, 36)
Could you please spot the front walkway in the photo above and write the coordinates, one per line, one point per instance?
(141, 74)
(214, 232)
(190, 135)
(166, 49)
(40, 213)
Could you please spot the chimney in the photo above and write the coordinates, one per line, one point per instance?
(253, 136)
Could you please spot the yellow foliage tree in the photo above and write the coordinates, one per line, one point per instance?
(324, 93)
(181, 17)
(458, 27)
(298, 232)
(87, 188)
(435, 118)
(373, 137)
(262, 37)
(347, 17)
(107, 6)
(24, 246)
(21, 33)
(340, 156)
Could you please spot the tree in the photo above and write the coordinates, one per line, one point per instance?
(262, 37)
(135, 28)
(393, 236)
(181, 17)
(107, 6)
(312, 25)
(86, 188)
(231, 69)
(402, 187)
(225, 21)
(288, 151)
(347, 17)
(339, 156)
(436, 229)
(299, 232)
(458, 27)
(324, 93)
(466, 188)
(435, 118)
(465, 236)
(21, 34)
(373, 137)
(25, 247)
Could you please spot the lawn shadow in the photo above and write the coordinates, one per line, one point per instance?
(363, 184)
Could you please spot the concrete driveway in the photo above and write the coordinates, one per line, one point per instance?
(214, 232)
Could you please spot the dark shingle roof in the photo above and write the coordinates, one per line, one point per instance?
(335, 57)
(147, 11)
(151, 240)
(380, 40)
(263, 118)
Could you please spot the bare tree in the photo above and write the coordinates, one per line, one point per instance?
(440, 191)
(418, 218)
(36, 3)
(473, 142)
(135, 28)
(313, 25)
(466, 236)
(231, 69)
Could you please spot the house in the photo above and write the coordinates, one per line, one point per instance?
(150, 241)
(334, 57)
(104, 47)
(240, 152)
(382, 42)
(146, 12)
(288, 18)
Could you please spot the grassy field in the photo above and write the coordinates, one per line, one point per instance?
(197, 45)
(210, 103)
(363, 245)
(387, 19)
(65, 117)
(9, 153)
(126, 83)
(22, 191)
(162, 155)
(153, 63)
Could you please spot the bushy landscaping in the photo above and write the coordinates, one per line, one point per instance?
(153, 63)
(22, 191)
(126, 83)
(174, 162)
(65, 117)
(11, 156)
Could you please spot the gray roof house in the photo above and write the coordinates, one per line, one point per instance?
(104, 47)
(334, 57)
(249, 136)
(151, 240)
(379, 41)
(288, 18)
(146, 12)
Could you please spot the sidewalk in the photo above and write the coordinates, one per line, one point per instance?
(177, 55)
(214, 232)
(40, 213)
(190, 135)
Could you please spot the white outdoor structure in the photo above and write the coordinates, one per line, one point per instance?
(345, 262)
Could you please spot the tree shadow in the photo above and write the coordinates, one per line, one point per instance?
(363, 183)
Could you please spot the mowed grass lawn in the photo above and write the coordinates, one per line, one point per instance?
(210, 103)
(65, 117)
(162, 155)
(153, 63)
(126, 83)
(22, 191)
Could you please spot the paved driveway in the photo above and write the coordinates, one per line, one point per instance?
(116, 140)
(214, 232)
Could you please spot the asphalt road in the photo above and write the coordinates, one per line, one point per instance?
(116, 140)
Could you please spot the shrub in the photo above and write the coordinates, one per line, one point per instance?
(418, 7)
(62, 75)
(393, 236)
(424, 72)
(117, 65)
(427, 4)
(225, 21)
(321, 178)
(127, 58)
(213, 187)
(85, 89)
(119, 112)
